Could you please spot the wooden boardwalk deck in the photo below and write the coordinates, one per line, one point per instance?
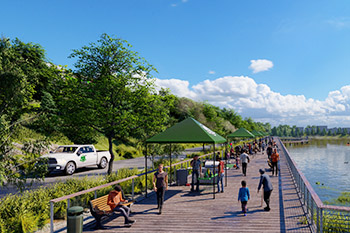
(198, 212)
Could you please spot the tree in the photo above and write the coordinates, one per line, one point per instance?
(116, 93)
(22, 67)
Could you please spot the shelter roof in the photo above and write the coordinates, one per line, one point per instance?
(241, 133)
(187, 131)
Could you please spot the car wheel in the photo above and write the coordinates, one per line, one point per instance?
(103, 163)
(70, 168)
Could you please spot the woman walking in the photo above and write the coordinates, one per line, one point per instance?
(160, 184)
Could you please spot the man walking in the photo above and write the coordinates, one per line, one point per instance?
(196, 170)
(275, 157)
(244, 160)
(267, 186)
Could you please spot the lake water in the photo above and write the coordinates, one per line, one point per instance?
(326, 162)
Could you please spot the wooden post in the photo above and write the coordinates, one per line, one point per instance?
(51, 217)
(133, 189)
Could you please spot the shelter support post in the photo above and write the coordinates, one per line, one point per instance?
(170, 165)
(225, 164)
(214, 171)
(146, 169)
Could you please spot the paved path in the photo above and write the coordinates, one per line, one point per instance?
(199, 212)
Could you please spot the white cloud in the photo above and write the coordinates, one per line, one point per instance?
(260, 65)
(178, 87)
(258, 101)
(211, 72)
(184, 1)
(173, 5)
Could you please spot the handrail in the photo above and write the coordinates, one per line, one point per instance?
(308, 185)
(115, 182)
(319, 215)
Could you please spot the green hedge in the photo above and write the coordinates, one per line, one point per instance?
(31, 210)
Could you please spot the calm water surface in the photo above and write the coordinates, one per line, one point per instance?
(327, 162)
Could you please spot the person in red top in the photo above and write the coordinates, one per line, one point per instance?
(115, 198)
(220, 173)
(275, 157)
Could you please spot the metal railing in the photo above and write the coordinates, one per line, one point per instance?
(172, 178)
(322, 218)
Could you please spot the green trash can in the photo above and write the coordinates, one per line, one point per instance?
(75, 219)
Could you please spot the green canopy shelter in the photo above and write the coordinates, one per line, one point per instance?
(241, 133)
(187, 131)
(262, 133)
(256, 133)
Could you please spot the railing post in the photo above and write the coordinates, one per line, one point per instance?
(95, 194)
(312, 212)
(68, 203)
(318, 220)
(321, 220)
(174, 167)
(304, 194)
(51, 216)
(133, 189)
(307, 201)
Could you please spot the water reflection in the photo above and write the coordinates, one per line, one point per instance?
(326, 165)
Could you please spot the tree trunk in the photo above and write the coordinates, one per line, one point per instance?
(110, 164)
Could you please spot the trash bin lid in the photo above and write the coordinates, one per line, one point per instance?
(75, 210)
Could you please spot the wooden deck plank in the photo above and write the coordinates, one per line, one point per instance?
(198, 212)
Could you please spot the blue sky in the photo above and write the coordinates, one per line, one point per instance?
(203, 49)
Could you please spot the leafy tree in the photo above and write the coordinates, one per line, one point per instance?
(339, 131)
(116, 91)
(318, 131)
(22, 67)
(329, 132)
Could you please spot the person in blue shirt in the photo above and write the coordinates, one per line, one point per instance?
(244, 196)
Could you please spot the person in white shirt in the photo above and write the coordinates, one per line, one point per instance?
(244, 160)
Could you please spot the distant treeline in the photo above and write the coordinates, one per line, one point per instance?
(294, 131)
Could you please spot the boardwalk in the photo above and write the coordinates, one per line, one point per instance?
(189, 212)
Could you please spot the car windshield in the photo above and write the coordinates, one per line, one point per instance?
(66, 149)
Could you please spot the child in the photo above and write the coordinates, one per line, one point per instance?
(244, 196)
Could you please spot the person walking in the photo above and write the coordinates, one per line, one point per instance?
(267, 187)
(244, 160)
(269, 151)
(115, 198)
(244, 196)
(275, 157)
(160, 184)
(220, 174)
(263, 145)
(196, 170)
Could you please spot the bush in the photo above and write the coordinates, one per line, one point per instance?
(31, 210)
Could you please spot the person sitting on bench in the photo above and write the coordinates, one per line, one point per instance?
(114, 200)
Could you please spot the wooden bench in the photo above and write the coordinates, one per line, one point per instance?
(100, 209)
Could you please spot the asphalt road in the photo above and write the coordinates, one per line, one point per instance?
(92, 171)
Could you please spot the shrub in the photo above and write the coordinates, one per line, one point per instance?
(31, 210)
